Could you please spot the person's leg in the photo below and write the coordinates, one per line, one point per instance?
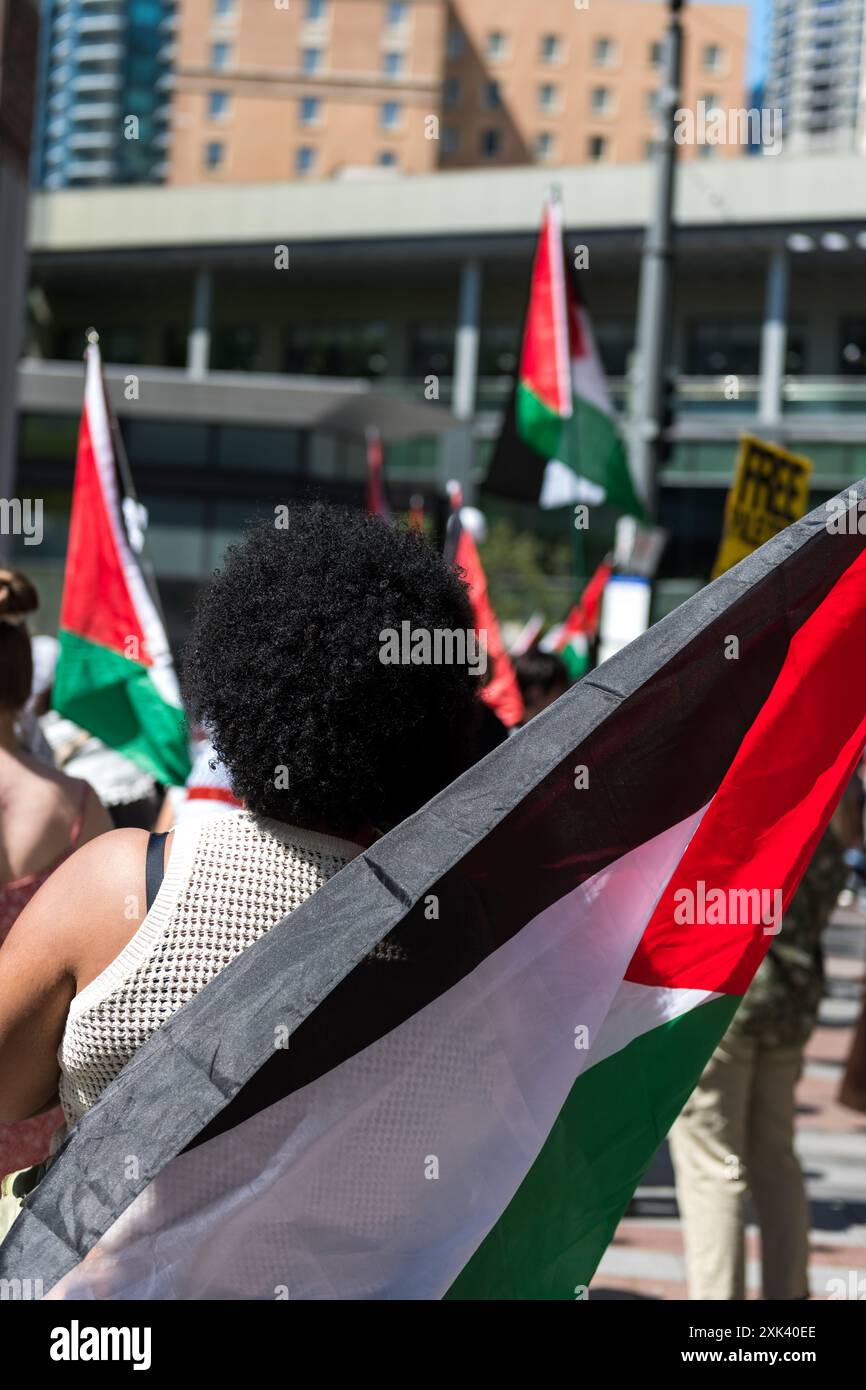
(775, 1177)
(708, 1144)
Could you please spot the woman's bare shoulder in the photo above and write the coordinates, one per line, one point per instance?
(91, 903)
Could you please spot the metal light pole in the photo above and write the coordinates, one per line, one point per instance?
(19, 34)
(654, 307)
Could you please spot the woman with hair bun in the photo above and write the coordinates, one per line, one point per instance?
(44, 816)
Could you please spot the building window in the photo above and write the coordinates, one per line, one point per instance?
(220, 54)
(316, 9)
(390, 115)
(721, 346)
(450, 139)
(387, 159)
(551, 48)
(395, 15)
(492, 96)
(311, 60)
(603, 53)
(222, 8)
(394, 64)
(597, 147)
(305, 159)
(311, 110)
(652, 102)
(334, 349)
(712, 57)
(451, 91)
(600, 99)
(455, 45)
(214, 154)
(490, 143)
(497, 44)
(545, 144)
(710, 101)
(217, 105)
(656, 54)
(236, 349)
(548, 96)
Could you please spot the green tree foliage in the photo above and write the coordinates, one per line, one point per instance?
(527, 573)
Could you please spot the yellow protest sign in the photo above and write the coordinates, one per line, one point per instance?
(769, 491)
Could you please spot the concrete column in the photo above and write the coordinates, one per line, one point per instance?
(467, 340)
(198, 341)
(774, 335)
(457, 447)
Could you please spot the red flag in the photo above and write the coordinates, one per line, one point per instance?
(586, 612)
(501, 693)
(377, 503)
(416, 511)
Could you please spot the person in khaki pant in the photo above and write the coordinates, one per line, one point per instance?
(735, 1137)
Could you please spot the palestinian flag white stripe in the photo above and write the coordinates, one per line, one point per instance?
(637, 1009)
(587, 375)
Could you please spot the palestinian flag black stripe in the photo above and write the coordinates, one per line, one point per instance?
(555, 920)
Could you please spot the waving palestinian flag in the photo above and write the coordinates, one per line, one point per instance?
(559, 442)
(115, 675)
(570, 927)
(571, 639)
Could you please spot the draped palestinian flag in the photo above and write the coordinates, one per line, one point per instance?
(115, 675)
(501, 692)
(559, 443)
(569, 926)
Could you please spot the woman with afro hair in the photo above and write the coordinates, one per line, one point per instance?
(327, 747)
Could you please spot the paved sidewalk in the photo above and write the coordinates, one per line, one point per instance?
(645, 1259)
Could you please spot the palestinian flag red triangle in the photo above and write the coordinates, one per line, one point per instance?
(606, 882)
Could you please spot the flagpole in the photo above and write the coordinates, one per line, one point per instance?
(653, 337)
(578, 549)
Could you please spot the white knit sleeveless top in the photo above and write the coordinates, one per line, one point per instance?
(229, 880)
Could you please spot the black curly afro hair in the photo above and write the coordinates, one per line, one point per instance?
(283, 669)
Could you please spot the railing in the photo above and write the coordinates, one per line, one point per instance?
(694, 395)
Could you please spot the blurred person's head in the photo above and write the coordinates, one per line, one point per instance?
(284, 668)
(18, 597)
(542, 677)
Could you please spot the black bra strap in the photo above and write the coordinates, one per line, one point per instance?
(154, 867)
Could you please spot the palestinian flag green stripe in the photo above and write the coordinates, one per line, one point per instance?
(102, 690)
(595, 450)
(538, 426)
(560, 1221)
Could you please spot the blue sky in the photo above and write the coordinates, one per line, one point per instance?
(759, 30)
(758, 37)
